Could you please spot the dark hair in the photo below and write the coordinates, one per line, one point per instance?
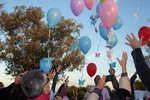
(60, 88)
(121, 94)
(96, 79)
(17, 93)
(1, 85)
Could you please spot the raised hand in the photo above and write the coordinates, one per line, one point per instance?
(123, 61)
(133, 42)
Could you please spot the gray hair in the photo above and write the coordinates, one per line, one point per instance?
(33, 83)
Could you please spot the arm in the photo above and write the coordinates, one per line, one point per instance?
(56, 77)
(114, 81)
(132, 81)
(124, 82)
(140, 64)
(141, 67)
(97, 90)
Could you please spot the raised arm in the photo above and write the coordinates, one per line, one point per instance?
(139, 61)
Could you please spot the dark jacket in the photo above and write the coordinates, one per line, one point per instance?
(141, 67)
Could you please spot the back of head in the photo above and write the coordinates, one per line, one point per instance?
(121, 94)
(96, 79)
(33, 83)
(1, 85)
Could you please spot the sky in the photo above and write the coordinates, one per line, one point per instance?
(126, 10)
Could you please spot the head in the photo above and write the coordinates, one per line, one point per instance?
(33, 83)
(122, 94)
(96, 79)
(1, 85)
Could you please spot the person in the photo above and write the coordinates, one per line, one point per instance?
(14, 90)
(124, 90)
(104, 95)
(132, 83)
(89, 90)
(139, 61)
(113, 80)
(1, 85)
(62, 91)
(52, 92)
(35, 84)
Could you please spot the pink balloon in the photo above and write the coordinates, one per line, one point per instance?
(108, 13)
(89, 4)
(77, 6)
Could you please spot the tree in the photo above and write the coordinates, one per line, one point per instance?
(139, 85)
(27, 41)
(73, 92)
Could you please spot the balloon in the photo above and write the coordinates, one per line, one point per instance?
(97, 7)
(53, 17)
(118, 24)
(116, 1)
(108, 13)
(91, 69)
(85, 44)
(113, 41)
(145, 32)
(103, 32)
(46, 65)
(100, 24)
(77, 6)
(89, 3)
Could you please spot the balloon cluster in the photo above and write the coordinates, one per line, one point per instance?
(108, 13)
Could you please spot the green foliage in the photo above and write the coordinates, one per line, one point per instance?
(139, 85)
(27, 41)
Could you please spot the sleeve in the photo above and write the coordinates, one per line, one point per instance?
(132, 81)
(64, 91)
(115, 82)
(124, 83)
(141, 67)
(4, 92)
(54, 82)
(107, 96)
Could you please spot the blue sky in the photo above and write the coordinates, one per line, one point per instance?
(126, 10)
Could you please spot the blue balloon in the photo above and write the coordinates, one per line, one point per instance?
(85, 44)
(53, 17)
(46, 64)
(103, 32)
(98, 7)
(113, 41)
(118, 24)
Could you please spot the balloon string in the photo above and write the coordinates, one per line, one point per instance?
(82, 75)
(49, 48)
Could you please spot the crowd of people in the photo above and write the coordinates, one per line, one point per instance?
(34, 85)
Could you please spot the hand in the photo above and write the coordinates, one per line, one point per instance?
(18, 78)
(59, 68)
(101, 82)
(133, 42)
(67, 81)
(123, 61)
(111, 70)
(51, 74)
